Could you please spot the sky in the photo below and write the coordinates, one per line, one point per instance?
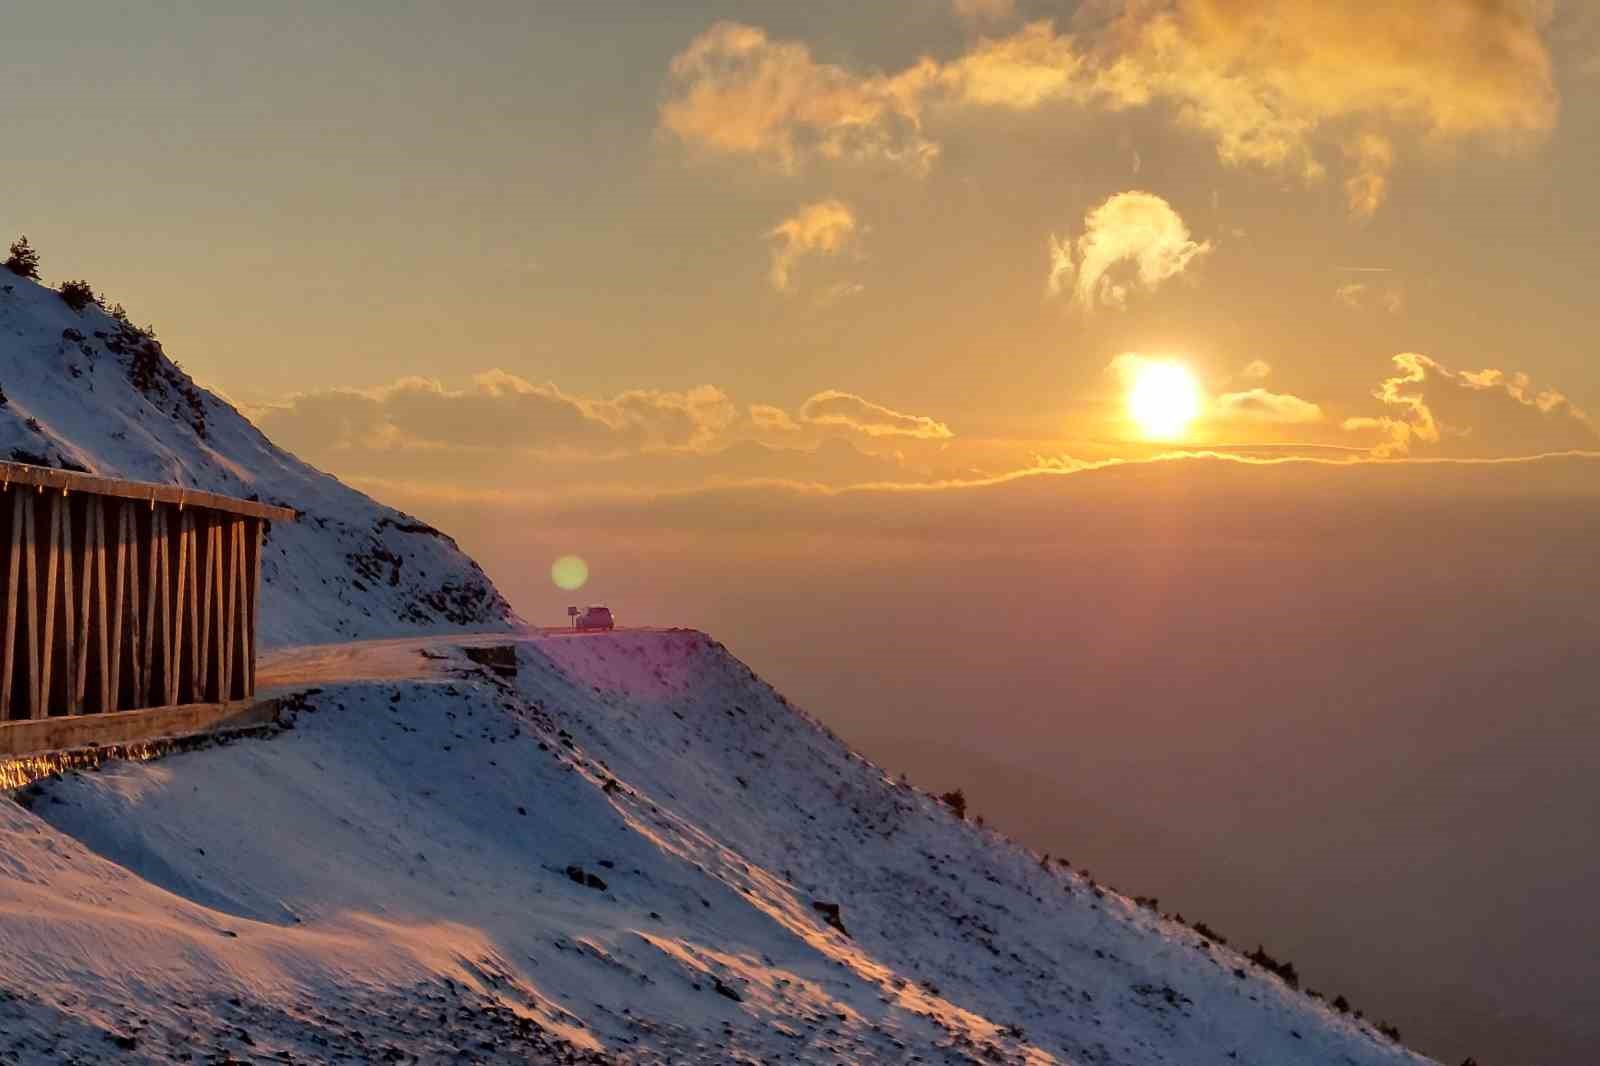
(830, 327)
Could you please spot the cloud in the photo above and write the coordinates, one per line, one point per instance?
(834, 408)
(496, 424)
(826, 227)
(497, 411)
(1389, 296)
(1274, 84)
(770, 419)
(1139, 229)
(1259, 405)
(735, 91)
(1256, 369)
(974, 12)
(1474, 412)
(1371, 156)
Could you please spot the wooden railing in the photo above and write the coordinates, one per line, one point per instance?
(121, 595)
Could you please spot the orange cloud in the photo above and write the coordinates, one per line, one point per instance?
(1479, 411)
(1360, 295)
(737, 92)
(1273, 83)
(826, 227)
(1138, 229)
(1260, 405)
(835, 408)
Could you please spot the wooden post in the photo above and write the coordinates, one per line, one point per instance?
(41, 703)
(175, 658)
(219, 677)
(93, 623)
(119, 585)
(188, 616)
(69, 607)
(8, 658)
(252, 573)
(230, 606)
(204, 692)
(30, 569)
(136, 673)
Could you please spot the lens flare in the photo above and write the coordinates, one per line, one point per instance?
(1163, 400)
(569, 573)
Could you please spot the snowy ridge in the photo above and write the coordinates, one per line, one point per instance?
(631, 851)
(84, 390)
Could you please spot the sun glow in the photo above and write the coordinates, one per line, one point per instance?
(1163, 399)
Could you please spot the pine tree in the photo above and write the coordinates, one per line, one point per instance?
(77, 294)
(24, 261)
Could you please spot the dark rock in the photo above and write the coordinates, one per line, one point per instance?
(830, 914)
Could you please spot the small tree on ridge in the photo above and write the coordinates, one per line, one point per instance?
(24, 261)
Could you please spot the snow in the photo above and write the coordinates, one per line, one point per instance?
(413, 831)
(633, 850)
(84, 390)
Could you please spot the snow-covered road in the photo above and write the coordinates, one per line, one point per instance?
(389, 659)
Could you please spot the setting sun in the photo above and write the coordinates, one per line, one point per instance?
(1163, 399)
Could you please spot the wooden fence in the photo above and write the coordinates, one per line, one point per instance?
(121, 595)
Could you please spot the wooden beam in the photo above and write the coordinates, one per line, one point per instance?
(186, 623)
(205, 612)
(94, 623)
(41, 704)
(69, 612)
(241, 681)
(30, 569)
(119, 585)
(8, 657)
(156, 611)
(135, 610)
(219, 678)
(229, 602)
(48, 478)
(252, 574)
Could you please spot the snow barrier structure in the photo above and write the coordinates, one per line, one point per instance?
(129, 610)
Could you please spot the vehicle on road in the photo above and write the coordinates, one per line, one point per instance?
(594, 618)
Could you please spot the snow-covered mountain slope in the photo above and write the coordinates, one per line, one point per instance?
(633, 850)
(87, 391)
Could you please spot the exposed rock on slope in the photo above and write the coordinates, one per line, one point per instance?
(84, 390)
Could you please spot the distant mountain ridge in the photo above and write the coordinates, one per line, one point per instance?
(86, 390)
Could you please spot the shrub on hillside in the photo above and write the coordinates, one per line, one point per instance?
(77, 294)
(24, 261)
(1284, 970)
(957, 802)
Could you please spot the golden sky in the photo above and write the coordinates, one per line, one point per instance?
(614, 248)
(1234, 358)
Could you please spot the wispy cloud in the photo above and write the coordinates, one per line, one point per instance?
(1260, 405)
(1387, 296)
(1132, 239)
(835, 408)
(826, 227)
